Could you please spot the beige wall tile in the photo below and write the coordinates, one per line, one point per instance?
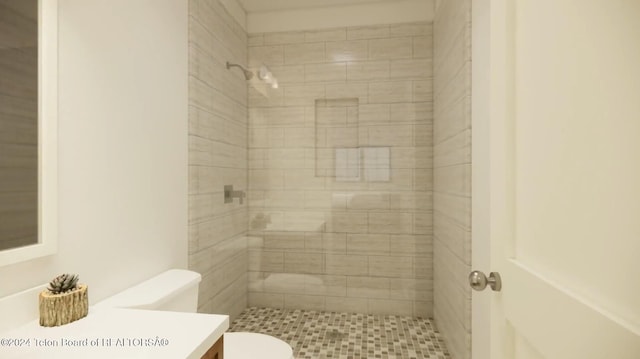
(299, 137)
(423, 134)
(423, 47)
(390, 92)
(269, 55)
(369, 200)
(269, 300)
(390, 306)
(455, 207)
(346, 305)
(412, 112)
(326, 242)
(284, 158)
(411, 29)
(326, 285)
(281, 199)
(457, 238)
(368, 244)
(368, 70)
(394, 48)
(340, 264)
(423, 309)
(411, 68)
(325, 35)
(232, 300)
(423, 90)
(265, 97)
(386, 266)
(267, 220)
(423, 179)
(381, 222)
(411, 244)
(451, 134)
(307, 221)
(368, 32)
(453, 120)
(303, 179)
(359, 91)
(266, 261)
(401, 180)
(405, 157)
(283, 283)
(303, 95)
(258, 138)
(453, 150)
(295, 262)
(288, 73)
(373, 114)
(284, 241)
(368, 287)
(255, 40)
(218, 144)
(304, 53)
(279, 38)
(306, 302)
(392, 135)
(347, 222)
(454, 180)
(266, 179)
(278, 116)
(341, 137)
(411, 289)
(325, 72)
(257, 158)
(343, 51)
(423, 223)
(323, 200)
(449, 93)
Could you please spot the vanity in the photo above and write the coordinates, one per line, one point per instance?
(123, 334)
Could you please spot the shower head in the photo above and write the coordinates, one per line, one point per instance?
(247, 74)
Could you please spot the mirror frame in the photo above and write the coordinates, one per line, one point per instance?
(47, 140)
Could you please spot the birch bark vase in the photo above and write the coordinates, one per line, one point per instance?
(63, 308)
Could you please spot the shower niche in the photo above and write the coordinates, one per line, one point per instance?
(341, 144)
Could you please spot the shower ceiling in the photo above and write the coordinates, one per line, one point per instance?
(275, 5)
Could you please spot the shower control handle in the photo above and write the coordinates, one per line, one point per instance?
(230, 194)
(478, 281)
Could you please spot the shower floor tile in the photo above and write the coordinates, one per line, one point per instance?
(320, 335)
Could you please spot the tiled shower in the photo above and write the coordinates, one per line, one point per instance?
(340, 170)
(343, 211)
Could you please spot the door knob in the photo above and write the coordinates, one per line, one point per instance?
(478, 281)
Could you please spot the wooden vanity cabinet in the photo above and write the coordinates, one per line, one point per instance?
(216, 351)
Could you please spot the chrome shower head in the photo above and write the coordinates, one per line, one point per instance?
(247, 74)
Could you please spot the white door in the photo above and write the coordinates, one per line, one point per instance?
(558, 177)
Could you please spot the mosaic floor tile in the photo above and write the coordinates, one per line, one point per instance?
(320, 335)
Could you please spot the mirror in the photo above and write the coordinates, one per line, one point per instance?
(28, 127)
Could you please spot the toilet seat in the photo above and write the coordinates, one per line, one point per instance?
(243, 345)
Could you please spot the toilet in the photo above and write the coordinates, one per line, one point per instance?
(177, 290)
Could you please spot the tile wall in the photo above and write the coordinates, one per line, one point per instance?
(18, 124)
(452, 174)
(340, 170)
(217, 157)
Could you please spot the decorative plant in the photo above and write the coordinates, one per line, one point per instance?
(64, 301)
(63, 283)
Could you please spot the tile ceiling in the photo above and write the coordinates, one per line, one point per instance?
(277, 5)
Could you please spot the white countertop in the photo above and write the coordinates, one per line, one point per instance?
(118, 334)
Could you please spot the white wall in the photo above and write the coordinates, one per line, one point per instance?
(122, 146)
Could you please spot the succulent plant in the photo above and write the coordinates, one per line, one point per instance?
(63, 283)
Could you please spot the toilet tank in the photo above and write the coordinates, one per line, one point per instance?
(175, 290)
